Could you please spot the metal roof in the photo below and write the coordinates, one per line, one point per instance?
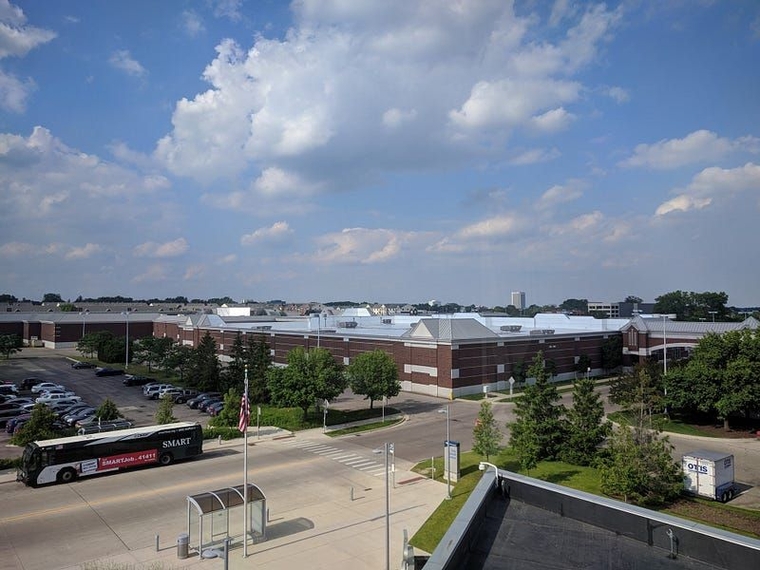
(449, 329)
(655, 325)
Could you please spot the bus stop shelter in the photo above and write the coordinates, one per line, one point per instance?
(214, 516)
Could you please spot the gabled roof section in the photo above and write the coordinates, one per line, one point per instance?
(201, 320)
(449, 330)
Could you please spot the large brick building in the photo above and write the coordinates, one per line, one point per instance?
(440, 355)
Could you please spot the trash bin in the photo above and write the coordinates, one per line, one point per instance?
(183, 541)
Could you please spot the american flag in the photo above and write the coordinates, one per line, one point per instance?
(245, 412)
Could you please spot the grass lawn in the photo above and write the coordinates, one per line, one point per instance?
(666, 424)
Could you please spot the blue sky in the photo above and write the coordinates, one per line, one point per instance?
(388, 151)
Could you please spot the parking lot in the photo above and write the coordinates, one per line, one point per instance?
(47, 366)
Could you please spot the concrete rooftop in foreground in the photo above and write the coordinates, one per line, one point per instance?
(519, 536)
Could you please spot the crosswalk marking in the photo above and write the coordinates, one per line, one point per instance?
(360, 463)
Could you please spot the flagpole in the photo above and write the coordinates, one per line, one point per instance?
(244, 406)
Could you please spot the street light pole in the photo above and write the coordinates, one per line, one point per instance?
(388, 447)
(446, 454)
(126, 344)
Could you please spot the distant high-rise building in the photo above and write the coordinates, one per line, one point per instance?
(518, 299)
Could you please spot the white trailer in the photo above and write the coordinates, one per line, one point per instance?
(709, 474)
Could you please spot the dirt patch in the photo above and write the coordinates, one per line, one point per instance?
(715, 515)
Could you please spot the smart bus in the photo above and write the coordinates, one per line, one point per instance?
(65, 459)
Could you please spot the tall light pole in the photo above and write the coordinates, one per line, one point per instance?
(713, 314)
(126, 343)
(388, 450)
(84, 315)
(446, 458)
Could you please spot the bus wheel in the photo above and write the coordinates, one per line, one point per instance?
(165, 459)
(67, 475)
(724, 497)
(730, 494)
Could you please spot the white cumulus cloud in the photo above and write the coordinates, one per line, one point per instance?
(699, 146)
(123, 60)
(167, 249)
(278, 231)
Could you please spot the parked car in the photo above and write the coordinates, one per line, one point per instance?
(136, 380)
(79, 365)
(193, 403)
(108, 372)
(73, 417)
(56, 397)
(57, 391)
(207, 404)
(184, 395)
(64, 409)
(27, 383)
(12, 422)
(97, 427)
(6, 415)
(42, 386)
(8, 389)
(214, 408)
(15, 403)
(151, 391)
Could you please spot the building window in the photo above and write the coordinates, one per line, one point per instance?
(633, 337)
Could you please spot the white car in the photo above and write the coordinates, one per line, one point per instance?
(51, 398)
(151, 392)
(63, 392)
(42, 386)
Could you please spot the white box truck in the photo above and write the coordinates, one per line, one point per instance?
(709, 474)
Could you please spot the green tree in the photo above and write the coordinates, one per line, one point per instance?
(575, 306)
(722, 378)
(583, 364)
(233, 376)
(640, 469)
(230, 414)
(486, 434)
(38, 427)
(150, 350)
(690, 306)
(205, 368)
(586, 426)
(259, 361)
(178, 357)
(89, 344)
(538, 431)
(640, 391)
(309, 378)
(10, 344)
(374, 375)
(107, 411)
(52, 298)
(612, 352)
(633, 299)
(165, 411)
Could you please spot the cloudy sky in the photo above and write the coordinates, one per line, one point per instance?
(383, 151)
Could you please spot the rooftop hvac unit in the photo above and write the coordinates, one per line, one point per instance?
(347, 324)
(511, 328)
